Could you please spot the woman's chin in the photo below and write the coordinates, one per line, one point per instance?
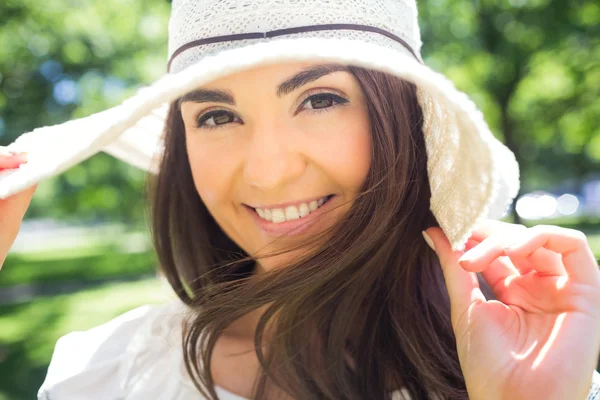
(275, 262)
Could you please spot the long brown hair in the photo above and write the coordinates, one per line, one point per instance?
(370, 294)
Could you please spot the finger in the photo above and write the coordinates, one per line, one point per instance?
(501, 268)
(12, 161)
(470, 244)
(479, 257)
(498, 271)
(490, 227)
(19, 202)
(577, 257)
(551, 260)
(483, 255)
(16, 206)
(522, 265)
(492, 236)
(463, 286)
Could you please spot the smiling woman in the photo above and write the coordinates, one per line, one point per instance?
(282, 135)
(320, 207)
(276, 149)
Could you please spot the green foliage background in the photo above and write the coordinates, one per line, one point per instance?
(99, 53)
(532, 66)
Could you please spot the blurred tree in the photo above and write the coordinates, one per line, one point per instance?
(64, 59)
(533, 66)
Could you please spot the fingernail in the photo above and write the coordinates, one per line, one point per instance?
(428, 240)
(14, 159)
(468, 256)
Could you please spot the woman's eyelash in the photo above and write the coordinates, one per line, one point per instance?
(325, 96)
(335, 101)
(211, 114)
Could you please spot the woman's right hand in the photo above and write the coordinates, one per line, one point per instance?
(12, 209)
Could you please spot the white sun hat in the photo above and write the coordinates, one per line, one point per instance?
(473, 176)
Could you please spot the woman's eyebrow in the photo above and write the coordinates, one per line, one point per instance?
(208, 96)
(308, 75)
(303, 77)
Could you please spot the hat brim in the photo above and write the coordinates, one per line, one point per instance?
(473, 176)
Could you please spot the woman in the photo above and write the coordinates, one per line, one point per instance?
(291, 212)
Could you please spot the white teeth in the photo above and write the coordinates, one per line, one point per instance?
(278, 215)
(304, 210)
(290, 213)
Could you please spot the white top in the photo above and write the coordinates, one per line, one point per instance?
(137, 356)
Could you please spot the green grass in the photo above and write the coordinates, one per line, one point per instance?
(28, 332)
(82, 265)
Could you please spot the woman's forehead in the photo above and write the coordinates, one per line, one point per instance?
(276, 71)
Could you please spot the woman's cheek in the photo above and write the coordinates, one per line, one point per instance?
(362, 154)
(350, 151)
(206, 174)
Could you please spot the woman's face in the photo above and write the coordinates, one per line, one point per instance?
(268, 143)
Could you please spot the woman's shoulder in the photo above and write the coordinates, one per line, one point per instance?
(99, 363)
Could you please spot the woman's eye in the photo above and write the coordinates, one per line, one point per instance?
(215, 119)
(316, 102)
(323, 100)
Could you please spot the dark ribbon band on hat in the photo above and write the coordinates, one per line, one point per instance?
(289, 31)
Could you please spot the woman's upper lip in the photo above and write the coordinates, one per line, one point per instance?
(291, 203)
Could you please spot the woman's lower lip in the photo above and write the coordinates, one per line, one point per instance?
(293, 227)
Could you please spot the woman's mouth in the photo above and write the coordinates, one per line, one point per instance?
(292, 219)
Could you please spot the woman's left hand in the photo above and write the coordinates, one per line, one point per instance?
(541, 338)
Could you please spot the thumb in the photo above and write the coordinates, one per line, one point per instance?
(12, 211)
(463, 286)
(15, 206)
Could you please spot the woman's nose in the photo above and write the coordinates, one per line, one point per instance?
(274, 157)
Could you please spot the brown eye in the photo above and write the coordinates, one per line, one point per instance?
(214, 119)
(322, 101)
